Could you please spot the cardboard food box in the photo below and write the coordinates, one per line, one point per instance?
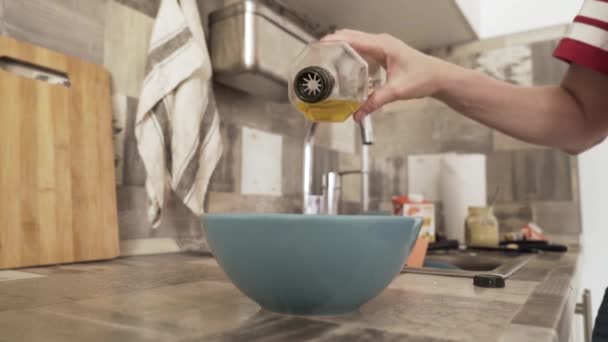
(416, 206)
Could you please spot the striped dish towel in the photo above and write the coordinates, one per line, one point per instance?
(177, 125)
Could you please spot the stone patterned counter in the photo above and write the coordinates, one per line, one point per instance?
(184, 297)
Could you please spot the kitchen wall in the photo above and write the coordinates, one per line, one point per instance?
(593, 171)
(536, 184)
(499, 18)
(507, 17)
(261, 167)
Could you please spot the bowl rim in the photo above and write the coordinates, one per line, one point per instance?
(289, 216)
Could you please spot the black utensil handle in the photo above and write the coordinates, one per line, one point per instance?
(519, 249)
(526, 243)
(553, 248)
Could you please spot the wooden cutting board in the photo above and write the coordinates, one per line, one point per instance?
(57, 188)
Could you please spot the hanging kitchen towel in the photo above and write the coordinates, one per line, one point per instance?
(177, 125)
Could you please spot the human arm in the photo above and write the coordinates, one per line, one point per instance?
(572, 116)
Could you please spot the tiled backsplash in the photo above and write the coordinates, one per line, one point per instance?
(71, 27)
(536, 184)
(262, 155)
(261, 168)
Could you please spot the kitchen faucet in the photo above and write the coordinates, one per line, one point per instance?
(331, 194)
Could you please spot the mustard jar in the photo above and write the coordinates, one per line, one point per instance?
(481, 227)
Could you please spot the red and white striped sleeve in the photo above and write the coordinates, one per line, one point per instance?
(586, 42)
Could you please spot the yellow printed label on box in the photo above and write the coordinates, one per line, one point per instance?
(427, 212)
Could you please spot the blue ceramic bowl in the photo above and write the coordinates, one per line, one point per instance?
(308, 264)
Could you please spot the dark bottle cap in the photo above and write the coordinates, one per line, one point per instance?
(489, 280)
(313, 84)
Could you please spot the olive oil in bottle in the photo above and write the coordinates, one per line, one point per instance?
(329, 81)
(328, 110)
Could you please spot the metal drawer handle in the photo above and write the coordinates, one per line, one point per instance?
(584, 308)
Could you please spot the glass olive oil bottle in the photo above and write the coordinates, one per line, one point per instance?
(329, 81)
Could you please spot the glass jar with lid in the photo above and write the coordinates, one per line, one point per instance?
(481, 227)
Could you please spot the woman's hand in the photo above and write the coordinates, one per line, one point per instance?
(571, 116)
(410, 73)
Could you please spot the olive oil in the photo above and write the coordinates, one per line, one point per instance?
(328, 110)
(329, 81)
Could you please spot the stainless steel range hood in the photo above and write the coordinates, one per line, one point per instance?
(252, 47)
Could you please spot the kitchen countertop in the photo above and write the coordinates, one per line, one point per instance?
(186, 297)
